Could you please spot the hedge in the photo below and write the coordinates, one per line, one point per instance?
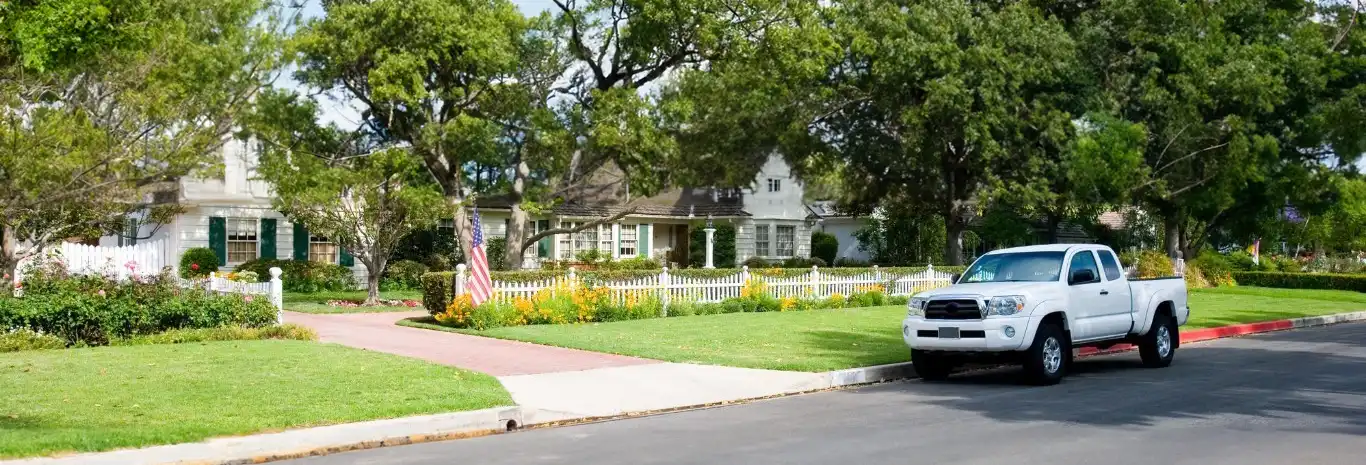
(1327, 281)
(436, 287)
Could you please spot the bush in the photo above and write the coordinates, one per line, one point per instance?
(635, 263)
(403, 275)
(223, 333)
(723, 247)
(851, 263)
(1326, 281)
(497, 253)
(93, 310)
(198, 262)
(304, 275)
(755, 263)
(1148, 263)
(824, 246)
(26, 339)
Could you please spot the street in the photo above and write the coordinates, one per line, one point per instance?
(1289, 397)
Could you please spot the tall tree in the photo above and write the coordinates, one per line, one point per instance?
(102, 100)
(363, 196)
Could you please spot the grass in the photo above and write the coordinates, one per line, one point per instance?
(317, 302)
(823, 340)
(55, 401)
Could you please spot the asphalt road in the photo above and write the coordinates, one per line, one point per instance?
(1283, 398)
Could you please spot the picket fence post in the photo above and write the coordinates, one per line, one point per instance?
(816, 291)
(744, 274)
(277, 294)
(459, 281)
(664, 292)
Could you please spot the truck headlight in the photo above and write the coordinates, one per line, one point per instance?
(916, 306)
(1005, 305)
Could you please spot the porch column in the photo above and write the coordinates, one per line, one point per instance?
(711, 232)
(616, 241)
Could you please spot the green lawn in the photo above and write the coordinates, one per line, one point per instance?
(317, 302)
(54, 401)
(824, 340)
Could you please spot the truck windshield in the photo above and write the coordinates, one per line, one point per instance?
(1015, 267)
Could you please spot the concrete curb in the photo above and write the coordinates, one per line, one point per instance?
(326, 440)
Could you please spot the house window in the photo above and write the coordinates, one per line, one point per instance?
(628, 240)
(321, 250)
(761, 243)
(775, 185)
(588, 239)
(241, 239)
(605, 240)
(786, 238)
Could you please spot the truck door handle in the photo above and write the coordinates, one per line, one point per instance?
(1104, 292)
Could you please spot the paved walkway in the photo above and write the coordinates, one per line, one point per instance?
(377, 332)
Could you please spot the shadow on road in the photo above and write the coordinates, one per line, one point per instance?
(1319, 373)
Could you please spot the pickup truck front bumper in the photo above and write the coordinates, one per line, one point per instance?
(987, 335)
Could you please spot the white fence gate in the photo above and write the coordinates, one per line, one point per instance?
(673, 288)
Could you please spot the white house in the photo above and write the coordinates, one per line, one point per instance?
(232, 215)
(843, 226)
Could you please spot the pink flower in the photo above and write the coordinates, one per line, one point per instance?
(131, 265)
(101, 293)
(247, 298)
(194, 266)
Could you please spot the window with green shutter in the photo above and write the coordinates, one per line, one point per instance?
(300, 242)
(346, 259)
(644, 241)
(268, 238)
(543, 247)
(218, 238)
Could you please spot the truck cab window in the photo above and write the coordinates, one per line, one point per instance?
(1107, 260)
(1083, 260)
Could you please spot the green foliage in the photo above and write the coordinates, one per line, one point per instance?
(288, 331)
(93, 310)
(1343, 282)
(903, 237)
(497, 253)
(824, 246)
(26, 339)
(1148, 263)
(199, 262)
(723, 246)
(303, 275)
(403, 275)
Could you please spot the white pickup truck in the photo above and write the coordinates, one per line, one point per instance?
(1017, 305)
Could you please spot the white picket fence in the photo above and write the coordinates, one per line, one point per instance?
(673, 288)
(147, 258)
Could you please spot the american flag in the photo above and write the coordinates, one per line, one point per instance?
(480, 284)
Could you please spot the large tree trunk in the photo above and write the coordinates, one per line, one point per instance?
(375, 268)
(1054, 223)
(1171, 240)
(9, 264)
(517, 226)
(463, 235)
(954, 226)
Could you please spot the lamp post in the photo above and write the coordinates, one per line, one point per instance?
(711, 234)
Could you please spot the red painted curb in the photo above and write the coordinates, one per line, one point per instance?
(1205, 335)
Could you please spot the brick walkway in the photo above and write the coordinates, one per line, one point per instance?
(377, 332)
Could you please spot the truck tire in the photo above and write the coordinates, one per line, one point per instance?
(930, 366)
(1046, 360)
(1158, 347)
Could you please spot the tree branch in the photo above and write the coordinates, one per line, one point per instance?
(528, 242)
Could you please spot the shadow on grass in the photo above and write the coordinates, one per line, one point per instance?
(1288, 376)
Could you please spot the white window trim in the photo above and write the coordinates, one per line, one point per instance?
(777, 244)
(768, 240)
(336, 251)
(236, 225)
(635, 242)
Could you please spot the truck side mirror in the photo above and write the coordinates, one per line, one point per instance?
(1082, 276)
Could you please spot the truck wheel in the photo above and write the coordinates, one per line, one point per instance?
(1046, 360)
(930, 366)
(1158, 347)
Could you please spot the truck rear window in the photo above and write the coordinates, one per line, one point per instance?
(1015, 267)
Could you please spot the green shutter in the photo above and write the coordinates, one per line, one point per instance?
(218, 238)
(643, 240)
(346, 259)
(268, 238)
(543, 247)
(300, 242)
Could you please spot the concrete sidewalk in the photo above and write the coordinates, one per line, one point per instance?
(497, 357)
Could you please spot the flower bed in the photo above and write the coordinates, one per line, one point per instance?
(381, 303)
(95, 310)
(574, 301)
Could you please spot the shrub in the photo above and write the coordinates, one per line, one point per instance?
(304, 275)
(1195, 277)
(1238, 260)
(223, 333)
(824, 246)
(497, 253)
(635, 263)
(851, 263)
(1148, 263)
(27, 339)
(198, 262)
(723, 247)
(1286, 264)
(403, 275)
(756, 262)
(93, 310)
(1327, 281)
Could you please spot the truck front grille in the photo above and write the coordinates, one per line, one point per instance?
(952, 310)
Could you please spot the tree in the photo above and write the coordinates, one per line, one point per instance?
(103, 101)
(364, 198)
